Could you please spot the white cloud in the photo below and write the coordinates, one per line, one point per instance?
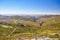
(24, 12)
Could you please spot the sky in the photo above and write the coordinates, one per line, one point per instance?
(29, 7)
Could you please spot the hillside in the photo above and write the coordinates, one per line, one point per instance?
(49, 20)
(44, 26)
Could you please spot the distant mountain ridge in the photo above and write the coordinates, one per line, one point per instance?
(26, 17)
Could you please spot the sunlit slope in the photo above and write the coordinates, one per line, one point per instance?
(50, 21)
(5, 30)
(23, 27)
(29, 23)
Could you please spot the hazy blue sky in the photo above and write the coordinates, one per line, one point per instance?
(22, 7)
